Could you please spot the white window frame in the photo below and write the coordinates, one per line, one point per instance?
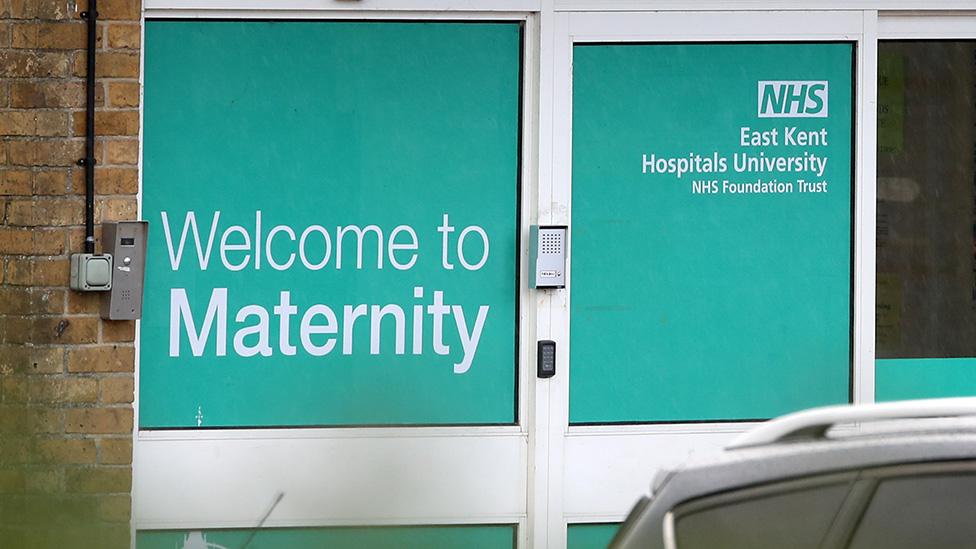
(540, 474)
(471, 475)
(599, 471)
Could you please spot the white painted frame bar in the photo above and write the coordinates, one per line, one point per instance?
(597, 472)
(927, 25)
(186, 479)
(155, 7)
(762, 5)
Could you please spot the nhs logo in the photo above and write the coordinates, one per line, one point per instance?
(792, 99)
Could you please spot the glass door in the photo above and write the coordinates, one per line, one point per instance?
(708, 167)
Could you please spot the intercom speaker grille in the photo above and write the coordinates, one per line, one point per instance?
(551, 243)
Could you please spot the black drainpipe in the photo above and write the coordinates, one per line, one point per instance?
(89, 160)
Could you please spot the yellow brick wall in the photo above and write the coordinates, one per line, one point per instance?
(66, 384)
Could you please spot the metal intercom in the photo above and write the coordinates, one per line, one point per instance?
(126, 242)
(548, 256)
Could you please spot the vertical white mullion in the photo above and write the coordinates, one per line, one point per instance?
(528, 394)
(539, 438)
(559, 210)
(866, 210)
(133, 491)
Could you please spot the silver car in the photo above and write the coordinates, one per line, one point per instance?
(879, 476)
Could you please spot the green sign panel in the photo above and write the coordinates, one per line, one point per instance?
(711, 259)
(334, 213)
(387, 537)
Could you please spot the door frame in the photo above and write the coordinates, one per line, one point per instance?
(475, 475)
(596, 472)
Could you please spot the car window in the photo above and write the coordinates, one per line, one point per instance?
(937, 511)
(791, 517)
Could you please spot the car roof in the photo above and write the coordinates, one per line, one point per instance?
(837, 438)
(820, 442)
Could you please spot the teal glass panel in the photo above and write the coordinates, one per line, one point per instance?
(711, 237)
(334, 223)
(908, 378)
(442, 537)
(590, 536)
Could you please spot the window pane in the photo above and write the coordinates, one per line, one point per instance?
(711, 246)
(931, 512)
(926, 298)
(309, 161)
(795, 519)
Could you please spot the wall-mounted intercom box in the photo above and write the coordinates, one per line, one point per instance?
(547, 256)
(126, 242)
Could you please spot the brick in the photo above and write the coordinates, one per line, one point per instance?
(117, 181)
(112, 209)
(50, 272)
(15, 450)
(123, 94)
(15, 389)
(44, 481)
(54, 212)
(16, 329)
(116, 508)
(119, 331)
(56, 152)
(102, 358)
(115, 451)
(29, 360)
(124, 36)
(122, 152)
(47, 300)
(65, 35)
(49, 241)
(15, 241)
(44, 9)
(20, 212)
(84, 302)
(46, 420)
(15, 300)
(19, 271)
(125, 10)
(15, 183)
(33, 64)
(66, 451)
(77, 329)
(14, 419)
(39, 123)
(109, 123)
(51, 181)
(48, 94)
(117, 390)
(99, 420)
(72, 390)
(98, 480)
(110, 64)
(59, 212)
